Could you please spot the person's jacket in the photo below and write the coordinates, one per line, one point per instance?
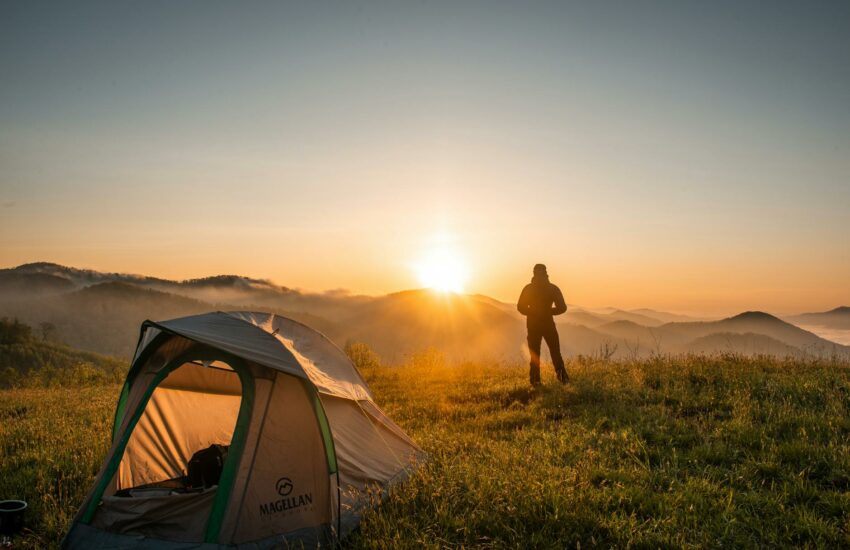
(540, 301)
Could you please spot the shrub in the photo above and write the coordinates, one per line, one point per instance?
(362, 355)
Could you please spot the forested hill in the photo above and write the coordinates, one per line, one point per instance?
(29, 358)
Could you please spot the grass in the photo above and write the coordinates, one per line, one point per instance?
(663, 453)
(52, 443)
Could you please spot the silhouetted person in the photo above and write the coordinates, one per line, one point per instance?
(540, 301)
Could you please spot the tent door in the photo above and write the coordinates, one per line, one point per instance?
(202, 397)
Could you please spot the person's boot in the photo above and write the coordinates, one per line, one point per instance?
(563, 377)
(534, 374)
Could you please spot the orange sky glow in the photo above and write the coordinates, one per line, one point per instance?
(678, 159)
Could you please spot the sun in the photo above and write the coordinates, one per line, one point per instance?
(443, 270)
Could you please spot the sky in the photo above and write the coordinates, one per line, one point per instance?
(688, 156)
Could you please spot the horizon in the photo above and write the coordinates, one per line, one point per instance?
(436, 292)
(672, 157)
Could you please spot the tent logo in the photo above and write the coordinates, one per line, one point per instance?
(287, 503)
(284, 486)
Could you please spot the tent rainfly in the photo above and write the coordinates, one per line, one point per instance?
(240, 430)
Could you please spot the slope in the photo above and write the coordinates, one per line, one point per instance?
(26, 359)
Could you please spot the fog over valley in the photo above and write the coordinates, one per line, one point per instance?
(101, 312)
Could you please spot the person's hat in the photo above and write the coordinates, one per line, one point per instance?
(539, 268)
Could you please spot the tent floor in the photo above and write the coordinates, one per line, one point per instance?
(85, 536)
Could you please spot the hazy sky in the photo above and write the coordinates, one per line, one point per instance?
(690, 156)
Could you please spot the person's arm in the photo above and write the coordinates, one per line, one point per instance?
(522, 304)
(560, 304)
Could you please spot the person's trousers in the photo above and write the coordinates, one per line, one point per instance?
(535, 337)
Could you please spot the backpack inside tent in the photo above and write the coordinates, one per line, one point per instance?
(236, 430)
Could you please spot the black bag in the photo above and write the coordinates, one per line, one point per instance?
(204, 469)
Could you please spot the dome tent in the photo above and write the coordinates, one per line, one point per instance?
(306, 446)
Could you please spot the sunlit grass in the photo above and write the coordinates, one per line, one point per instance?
(682, 452)
(687, 452)
(52, 443)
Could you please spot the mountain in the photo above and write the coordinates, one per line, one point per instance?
(101, 312)
(638, 318)
(41, 284)
(664, 316)
(644, 340)
(104, 317)
(231, 290)
(744, 344)
(758, 322)
(505, 307)
(460, 326)
(838, 318)
(748, 333)
(578, 316)
(74, 277)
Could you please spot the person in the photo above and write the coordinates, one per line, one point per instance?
(540, 301)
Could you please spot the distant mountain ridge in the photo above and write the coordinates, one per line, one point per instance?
(86, 277)
(759, 322)
(75, 276)
(838, 318)
(101, 312)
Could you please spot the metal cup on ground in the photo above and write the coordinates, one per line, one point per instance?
(11, 520)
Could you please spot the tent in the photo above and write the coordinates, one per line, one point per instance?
(306, 448)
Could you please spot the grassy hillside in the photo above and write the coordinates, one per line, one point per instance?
(52, 443)
(687, 452)
(29, 359)
(671, 452)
